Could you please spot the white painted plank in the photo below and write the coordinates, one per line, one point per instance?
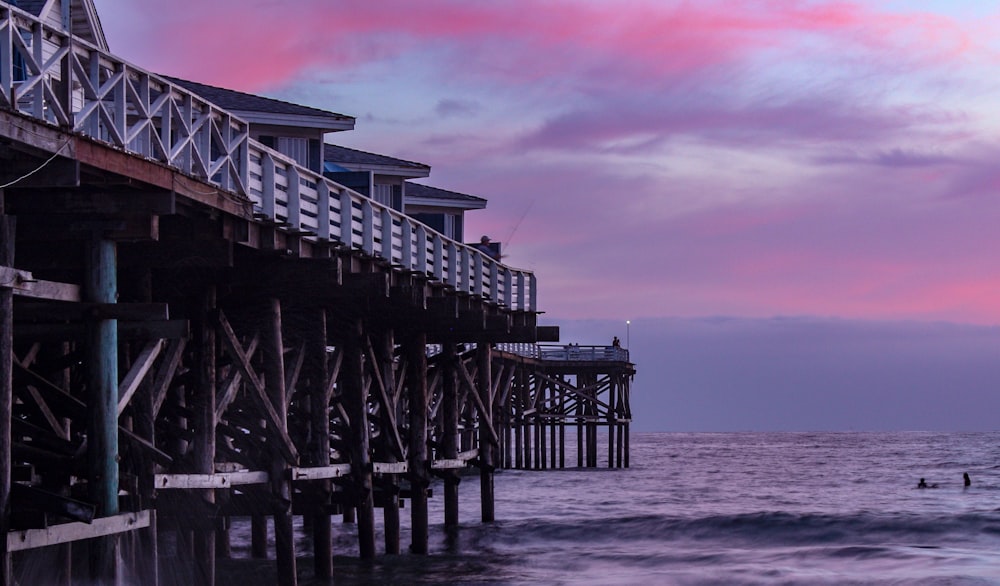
(56, 534)
(205, 481)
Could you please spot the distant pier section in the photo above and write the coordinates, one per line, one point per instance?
(210, 314)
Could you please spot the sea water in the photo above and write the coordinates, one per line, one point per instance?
(717, 508)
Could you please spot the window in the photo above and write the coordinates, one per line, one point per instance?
(296, 148)
(383, 194)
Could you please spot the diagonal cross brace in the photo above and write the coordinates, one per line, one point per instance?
(259, 394)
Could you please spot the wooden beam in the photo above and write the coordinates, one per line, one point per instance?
(321, 472)
(390, 467)
(137, 373)
(165, 374)
(24, 284)
(65, 533)
(64, 403)
(49, 502)
(208, 481)
(231, 385)
(94, 311)
(292, 374)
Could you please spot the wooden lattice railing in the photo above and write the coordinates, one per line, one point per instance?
(51, 76)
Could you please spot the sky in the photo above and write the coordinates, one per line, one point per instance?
(793, 202)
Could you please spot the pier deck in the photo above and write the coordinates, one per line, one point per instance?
(193, 327)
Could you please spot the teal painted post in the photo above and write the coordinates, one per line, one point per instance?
(101, 286)
(6, 389)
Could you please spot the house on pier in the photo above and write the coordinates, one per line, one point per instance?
(291, 129)
(299, 132)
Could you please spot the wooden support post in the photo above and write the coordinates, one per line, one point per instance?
(258, 537)
(612, 389)
(7, 229)
(484, 355)
(525, 419)
(204, 430)
(581, 441)
(619, 428)
(281, 480)
(101, 286)
(356, 401)
(541, 459)
(517, 412)
(554, 424)
(508, 420)
(449, 404)
(318, 376)
(416, 352)
(390, 507)
(144, 425)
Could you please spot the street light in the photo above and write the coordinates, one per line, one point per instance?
(628, 337)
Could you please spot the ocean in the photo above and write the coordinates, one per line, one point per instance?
(716, 508)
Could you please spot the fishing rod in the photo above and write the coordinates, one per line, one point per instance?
(524, 214)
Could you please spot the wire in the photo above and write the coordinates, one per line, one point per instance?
(40, 167)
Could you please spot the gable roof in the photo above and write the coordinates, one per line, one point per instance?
(428, 195)
(356, 160)
(84, 21)
(263, 110)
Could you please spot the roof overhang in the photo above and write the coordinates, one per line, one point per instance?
(434, 202)
(325, 123)
(394, 170)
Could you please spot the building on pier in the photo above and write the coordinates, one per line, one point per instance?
(197, 326)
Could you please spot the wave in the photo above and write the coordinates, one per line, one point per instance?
(776, 528)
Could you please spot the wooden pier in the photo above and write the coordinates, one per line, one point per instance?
(194, 327)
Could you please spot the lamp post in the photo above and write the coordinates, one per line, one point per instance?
(628, 336)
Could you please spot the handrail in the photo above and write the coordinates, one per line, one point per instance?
(54, 77)
(568, 352)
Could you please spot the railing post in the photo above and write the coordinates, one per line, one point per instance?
(386, 234)
(438, 257)
(346, 218)
(406, 238)
(323, 228)
(268, 188)
(477, 272)
(452, 278)
(294, 201)
(533, 300)
(367, 227)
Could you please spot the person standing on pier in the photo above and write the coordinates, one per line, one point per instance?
(486, 247)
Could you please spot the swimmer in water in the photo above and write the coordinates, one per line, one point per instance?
(922, 483)
(968, 481)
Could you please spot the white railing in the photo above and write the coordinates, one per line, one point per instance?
(567, 352)
(51, 76)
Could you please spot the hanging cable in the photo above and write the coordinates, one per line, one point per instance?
(40, 167)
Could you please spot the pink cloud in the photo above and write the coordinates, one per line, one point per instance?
(541, 38)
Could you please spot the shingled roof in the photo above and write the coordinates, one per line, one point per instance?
(236, 101)
(418, 191)
(355, 159)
